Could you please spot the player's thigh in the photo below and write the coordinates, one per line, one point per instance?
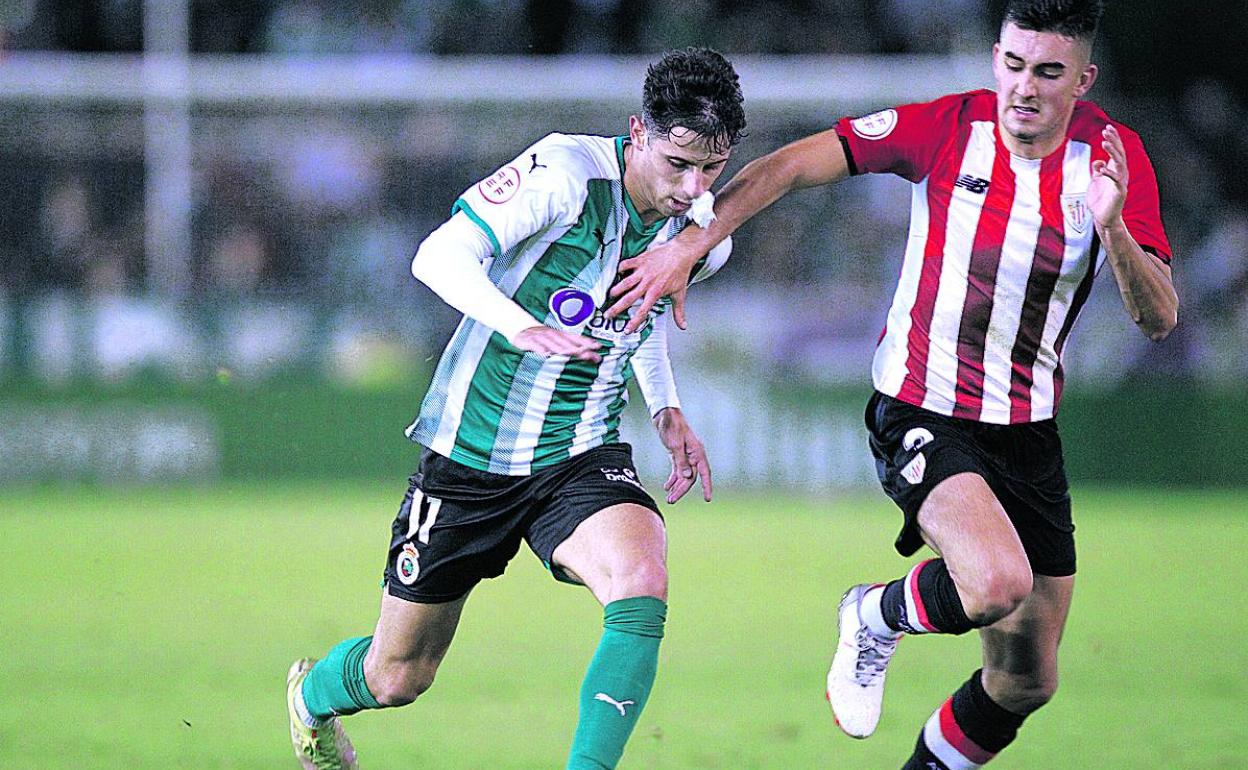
(619, 546)
(963, 521)
(933, 468)
(601, 528)
(1020, 650)
(409, 631)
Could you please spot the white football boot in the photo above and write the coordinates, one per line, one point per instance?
(856, 678)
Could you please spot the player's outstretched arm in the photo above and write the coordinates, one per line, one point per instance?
(450, 261)
(1144, 281)
(663, 271)
(689, 462)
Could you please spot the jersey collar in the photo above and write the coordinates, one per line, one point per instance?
(633, 217)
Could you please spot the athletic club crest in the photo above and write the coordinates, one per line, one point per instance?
(1078, 215)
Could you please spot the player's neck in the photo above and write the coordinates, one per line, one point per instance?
(1030, 150)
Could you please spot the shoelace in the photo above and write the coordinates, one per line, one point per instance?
(873, 656)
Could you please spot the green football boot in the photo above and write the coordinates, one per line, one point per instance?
(318, 748)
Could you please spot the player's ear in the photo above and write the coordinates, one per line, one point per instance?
(1086, 79)
(637, 130)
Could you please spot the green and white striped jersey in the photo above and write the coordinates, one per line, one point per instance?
(560, 221)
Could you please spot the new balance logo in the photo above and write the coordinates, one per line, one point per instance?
(972, 184)
(619, 704)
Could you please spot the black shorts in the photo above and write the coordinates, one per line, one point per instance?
(458, 526)
(915, 449)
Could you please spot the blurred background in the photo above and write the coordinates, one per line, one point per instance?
(207, 209)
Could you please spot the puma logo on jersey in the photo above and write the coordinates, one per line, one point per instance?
(619, 704)
(972, 184)
(603, 239)
(536, 165)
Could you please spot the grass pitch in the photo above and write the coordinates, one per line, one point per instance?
(153, 628)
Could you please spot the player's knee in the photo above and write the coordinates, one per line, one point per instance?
(402, 684)
(1025, 693)
(998, 594)
(645, 578)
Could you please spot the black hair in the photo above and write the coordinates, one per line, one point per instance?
(1075, 19)
(697, 89)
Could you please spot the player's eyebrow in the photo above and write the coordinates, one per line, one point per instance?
(1054, 65)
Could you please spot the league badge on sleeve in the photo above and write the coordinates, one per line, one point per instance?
(501, 186)
(875, 126)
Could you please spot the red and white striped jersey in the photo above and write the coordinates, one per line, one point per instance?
(1000, 257)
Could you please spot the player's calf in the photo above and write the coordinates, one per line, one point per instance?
(927, 601)
(966, 732)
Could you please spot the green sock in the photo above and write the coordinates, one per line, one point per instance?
(618, 681)
(335, 686)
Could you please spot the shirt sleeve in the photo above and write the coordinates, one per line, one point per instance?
(708, 265)
(1141, 212)
(653, 369)
(451, 263)
(899, 140)
(541, 188)
(714, 260)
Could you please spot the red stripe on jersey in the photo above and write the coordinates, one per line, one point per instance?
(994, 217)
(939, 192)
(1046, 265)
(952, 732)
(1076, 304)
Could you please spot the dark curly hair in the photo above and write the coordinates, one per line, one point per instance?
(698, 89)
(1076, 19)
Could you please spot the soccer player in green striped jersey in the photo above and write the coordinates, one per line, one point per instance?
(521, 422)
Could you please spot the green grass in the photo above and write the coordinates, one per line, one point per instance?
(153, 628)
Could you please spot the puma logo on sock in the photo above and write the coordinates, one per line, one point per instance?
(619, 704)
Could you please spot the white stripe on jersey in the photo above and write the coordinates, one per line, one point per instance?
(514, 456)
(1076, 176)
(530, 252)
(888, 369)
(593, 422)
(478, 336)
(942, 357)
(1017, 252)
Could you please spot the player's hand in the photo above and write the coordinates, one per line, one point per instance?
(662, 271)
(555, 342)
(1108, 191)
(689, 461)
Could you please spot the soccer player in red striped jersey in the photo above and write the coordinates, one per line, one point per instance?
(1019, 196)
